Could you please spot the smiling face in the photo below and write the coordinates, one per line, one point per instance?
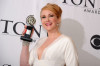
(49, 20)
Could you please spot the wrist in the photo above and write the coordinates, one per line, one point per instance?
(25, 43)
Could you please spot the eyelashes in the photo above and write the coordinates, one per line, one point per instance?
(51, 15)
(43, 17)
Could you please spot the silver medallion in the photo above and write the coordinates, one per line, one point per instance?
(30, 20)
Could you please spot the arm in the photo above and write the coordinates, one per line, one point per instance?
(24, 57)
(71, 57)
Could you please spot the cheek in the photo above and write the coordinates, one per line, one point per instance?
(55, 21)
(43, 23)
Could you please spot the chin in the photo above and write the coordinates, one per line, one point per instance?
(49, 28)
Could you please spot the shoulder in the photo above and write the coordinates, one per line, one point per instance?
(42, 39)
(38, 42)
(66, 38)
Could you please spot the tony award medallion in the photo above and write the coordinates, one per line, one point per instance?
(30, 21)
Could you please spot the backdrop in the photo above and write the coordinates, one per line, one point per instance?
(80, 21)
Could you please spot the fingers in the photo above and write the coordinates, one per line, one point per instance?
(24, 31)
(32, 32)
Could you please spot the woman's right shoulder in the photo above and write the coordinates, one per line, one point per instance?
(39, 41)
(42, 39)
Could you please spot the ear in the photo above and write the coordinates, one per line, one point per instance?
(59, 20)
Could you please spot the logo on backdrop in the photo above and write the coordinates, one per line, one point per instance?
(89, 5)
(6, 65)
(93, 47)
(95, 42)
(15, 28)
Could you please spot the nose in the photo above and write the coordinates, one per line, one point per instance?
(47, 19)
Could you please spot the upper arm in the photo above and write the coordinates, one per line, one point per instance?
(71, 57)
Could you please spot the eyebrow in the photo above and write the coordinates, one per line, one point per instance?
(41, 16)
(44, 15)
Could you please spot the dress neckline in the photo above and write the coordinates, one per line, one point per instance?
(44, 51)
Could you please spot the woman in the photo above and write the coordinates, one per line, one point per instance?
(54, 50)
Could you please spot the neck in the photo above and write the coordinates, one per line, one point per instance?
(53, 33)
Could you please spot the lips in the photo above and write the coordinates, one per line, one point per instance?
(48, 24)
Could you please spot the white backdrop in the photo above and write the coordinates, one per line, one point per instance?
(80, 21)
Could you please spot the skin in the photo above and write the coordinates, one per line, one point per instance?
(49, 22)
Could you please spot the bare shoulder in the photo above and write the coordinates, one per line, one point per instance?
(42, 39)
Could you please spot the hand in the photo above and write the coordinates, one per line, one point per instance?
(32, 32)
(23, 33)
(25, 29)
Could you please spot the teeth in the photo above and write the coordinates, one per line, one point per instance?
(48, 24)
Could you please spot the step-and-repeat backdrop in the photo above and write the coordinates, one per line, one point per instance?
(80, 21)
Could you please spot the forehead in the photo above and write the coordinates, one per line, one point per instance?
(46, 12)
